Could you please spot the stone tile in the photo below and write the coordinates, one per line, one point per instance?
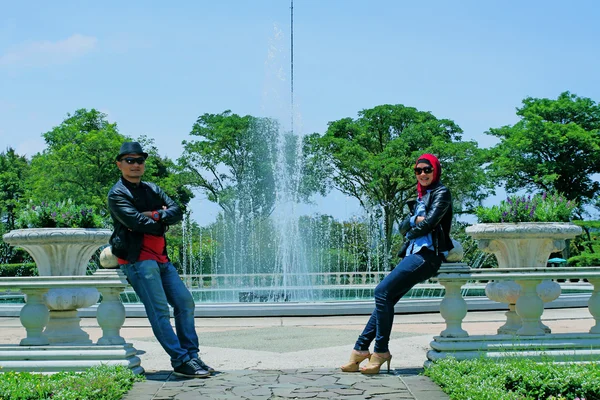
(323, 381)
(290, 386)
(259, 391)
(348, 392)
(285, 393)
(243, 390)
(430, 395)
(394, 396)
(383, 390)
(310, 390)
(350, 380)
(361, 397)
(243, 372)
(195, 383)
(396, 384)
(311, 376)
(186, 396)
(236, 380)
(265, 378)
(221, 383)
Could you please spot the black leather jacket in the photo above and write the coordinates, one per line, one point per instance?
(438, 220)
(130, 224)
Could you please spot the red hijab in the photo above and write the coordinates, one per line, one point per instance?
(437, 171)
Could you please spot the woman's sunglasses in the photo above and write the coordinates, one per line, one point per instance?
(131, 160)
(427, 170)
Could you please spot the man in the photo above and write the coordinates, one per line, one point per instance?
(141, 213)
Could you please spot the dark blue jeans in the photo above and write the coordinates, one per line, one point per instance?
(411, 270)
(158, 286)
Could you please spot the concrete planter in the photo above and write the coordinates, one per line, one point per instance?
(523, 245)
(62, 252)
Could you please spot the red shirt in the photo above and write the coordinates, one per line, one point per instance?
(153, 248)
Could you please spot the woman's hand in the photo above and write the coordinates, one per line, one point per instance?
(418, 220)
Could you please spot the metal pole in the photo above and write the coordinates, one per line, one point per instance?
(292, 63)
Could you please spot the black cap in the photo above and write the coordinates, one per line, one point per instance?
(131, 148)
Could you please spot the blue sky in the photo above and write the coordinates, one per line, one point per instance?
(154, 68)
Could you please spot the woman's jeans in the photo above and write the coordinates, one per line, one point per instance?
(158, 285)
(411, 270)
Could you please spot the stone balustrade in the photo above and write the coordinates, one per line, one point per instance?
(292, 279)
(530, 337)
(32, 354)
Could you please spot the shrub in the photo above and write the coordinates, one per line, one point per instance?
(516, 379)
(539, 208)
(102, 382)
(585, 260)
(62, 214)
(27, 269)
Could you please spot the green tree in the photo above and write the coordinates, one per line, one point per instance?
(372, 159)
(79, 161)
(165, 173)
(232, 161)
(14, 170)
(585, 248)
(555, 147)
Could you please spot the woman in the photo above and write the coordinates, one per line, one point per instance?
(427, 229)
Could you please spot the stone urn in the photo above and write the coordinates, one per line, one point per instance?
(62, 252)
(523, 245)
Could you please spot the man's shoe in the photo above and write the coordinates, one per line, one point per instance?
(189, 369)
(200, 364)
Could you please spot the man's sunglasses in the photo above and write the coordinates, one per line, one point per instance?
(131, 160)
(427, 170)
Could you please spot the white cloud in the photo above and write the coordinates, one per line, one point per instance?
(44, 53)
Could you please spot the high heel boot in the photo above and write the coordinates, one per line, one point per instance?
(355, 360)
(375, 363)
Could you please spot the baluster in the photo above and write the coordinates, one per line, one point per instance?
(530, 308)
(453, 309)
(34, 317)
(111, 312)
(594, 304)
(111, 316)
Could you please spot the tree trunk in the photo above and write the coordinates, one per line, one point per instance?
(388, 219)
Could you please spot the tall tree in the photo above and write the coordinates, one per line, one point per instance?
(165, 173)
(554, 147)
(372, 158)
(233, 162)
(13, 172)
(79, 161)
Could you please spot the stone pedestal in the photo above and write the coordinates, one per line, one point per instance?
(523, 245)
(62, 252)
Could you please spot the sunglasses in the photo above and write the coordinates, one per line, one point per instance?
(427, 170)
(131, 160)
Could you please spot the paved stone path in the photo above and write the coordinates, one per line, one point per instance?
(288, 384)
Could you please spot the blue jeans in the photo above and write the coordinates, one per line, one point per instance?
(411, 270)
(158, 285)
